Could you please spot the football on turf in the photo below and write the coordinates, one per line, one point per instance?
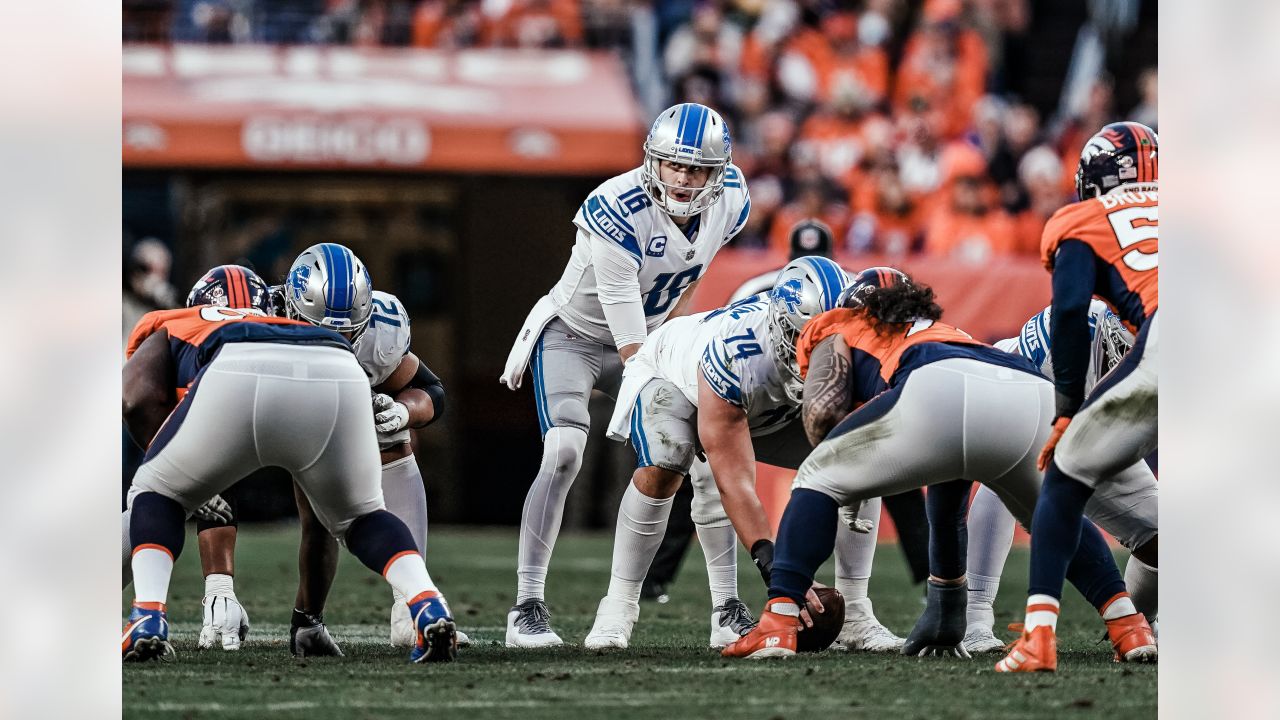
(826, 624)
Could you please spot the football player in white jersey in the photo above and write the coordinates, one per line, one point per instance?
(406, 395)
(716, 382)
(991, 523)
(644, 238)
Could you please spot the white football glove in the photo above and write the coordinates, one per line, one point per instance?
(215, 510)
(388, 415)
(224, 619)
(849, 516)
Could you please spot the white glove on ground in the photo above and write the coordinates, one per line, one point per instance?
(224, 618)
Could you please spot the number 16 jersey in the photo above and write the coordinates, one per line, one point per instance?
(621, 219)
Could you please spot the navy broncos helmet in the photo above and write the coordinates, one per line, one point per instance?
(1121, 153)
(873, 277)
(231, 286)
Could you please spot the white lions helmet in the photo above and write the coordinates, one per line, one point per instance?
(328, 286)
(690, 134)
(806, 287)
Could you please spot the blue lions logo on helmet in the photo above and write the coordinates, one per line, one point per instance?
(789, 293)
(298, 280)
(728, 144)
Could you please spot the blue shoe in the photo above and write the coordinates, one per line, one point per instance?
(437, 637)
(146, 633)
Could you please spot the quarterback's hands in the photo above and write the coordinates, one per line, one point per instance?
(1046, 455)
(811, 601)
(224, 619)
(388, 415)
(215, 510)
(849, 516)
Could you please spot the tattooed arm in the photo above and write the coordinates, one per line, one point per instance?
(827, 395)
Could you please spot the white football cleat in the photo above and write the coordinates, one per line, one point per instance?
(402, 630)
(614, 621)
(862, 631)
(226, 623)
(730, 620)
(978, 638)
(529, 626)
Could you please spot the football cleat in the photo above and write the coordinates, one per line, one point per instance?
(1035, 651)
(730, 620)
(308, 637)
(529, 626)
(225, 623)
(402, 632)
(146, 633)
(941, 627)
(1132, 639)
(437, 637)
(862, 631)
(612, 628)
(774, 636)
(978, 638)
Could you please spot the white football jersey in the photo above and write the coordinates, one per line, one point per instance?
(621, 213)
(730, 347)
(1033, 342)
(385, 342)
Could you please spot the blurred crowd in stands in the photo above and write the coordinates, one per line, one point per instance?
(947, 127)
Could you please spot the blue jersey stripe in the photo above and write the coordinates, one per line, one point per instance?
(608, 208)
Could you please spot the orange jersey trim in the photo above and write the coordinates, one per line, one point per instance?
(859, 335)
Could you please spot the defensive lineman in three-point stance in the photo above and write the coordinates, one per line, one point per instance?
(644, 238)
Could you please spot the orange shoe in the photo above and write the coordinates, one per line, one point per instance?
(774, 636)
(1132, 639)
(1035, 651)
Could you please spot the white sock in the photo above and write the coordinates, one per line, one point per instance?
(1042, 610)
(990, 537)
(642, 521)
(1143, 582)
(126, 552)
(152, 566)
(720, 546)
(408, 575)
(406, 497)
(855, 553)
(544, 508)
(219, 584)
(1118, 607)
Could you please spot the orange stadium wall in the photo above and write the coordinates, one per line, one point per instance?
(989, 301)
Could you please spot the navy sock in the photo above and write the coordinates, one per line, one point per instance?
(157, 520)
(1093, 570)
(948, 508)
(806, 538)
(1055, 530)
(378, 537)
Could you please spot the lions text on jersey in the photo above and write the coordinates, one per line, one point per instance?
(729, 348)
(1110, 341)
(622, 216)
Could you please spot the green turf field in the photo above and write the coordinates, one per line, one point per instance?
(668, 673)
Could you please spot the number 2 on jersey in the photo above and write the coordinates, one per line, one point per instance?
(385, 313)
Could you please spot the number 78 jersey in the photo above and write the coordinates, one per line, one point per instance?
(730, 348)
(619, 218)
(1123, 231)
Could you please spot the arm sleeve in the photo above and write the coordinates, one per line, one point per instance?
(1073, 282)
(618, 285)
(429, 383)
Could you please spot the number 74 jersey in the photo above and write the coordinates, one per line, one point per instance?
(730, 348)
(1123, 231)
